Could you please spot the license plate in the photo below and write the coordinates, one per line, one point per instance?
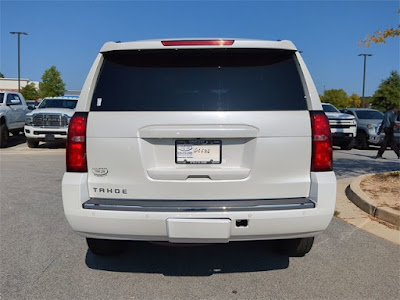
(341, 134)
(49, 137)
(198, 151)
(200, 230)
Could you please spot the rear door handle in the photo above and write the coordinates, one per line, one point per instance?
(198, 131)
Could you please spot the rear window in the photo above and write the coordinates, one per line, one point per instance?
(1, 97)
(199, 80)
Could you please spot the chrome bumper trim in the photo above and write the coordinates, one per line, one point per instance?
(197, 205)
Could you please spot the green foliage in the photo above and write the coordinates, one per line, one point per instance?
(388, 93)
(1, 75)
(337, 98)
(52, 85)
(340, 99)
(30, 92)
(367, 101)
(354, 101)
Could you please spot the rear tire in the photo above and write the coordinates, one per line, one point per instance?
(32, 143)
(296, 247)
(105, 247)
(361, 141)
(3, 136)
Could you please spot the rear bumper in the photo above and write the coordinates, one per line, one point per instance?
(172, 225)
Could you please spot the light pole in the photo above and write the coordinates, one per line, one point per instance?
(19, 60)
(365, 67)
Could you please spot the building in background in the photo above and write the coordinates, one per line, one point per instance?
(11, 84)
(72, 93)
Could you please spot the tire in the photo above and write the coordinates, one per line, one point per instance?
(348, 146)
(105, 247)
(296, 247)
(361, 141)
(3, 136)
(32, 143)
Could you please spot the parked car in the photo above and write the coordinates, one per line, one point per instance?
(343, 127)
(49, 121)
(199, 141)
(368, 120)
(12, 115)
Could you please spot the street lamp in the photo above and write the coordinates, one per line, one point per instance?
(365, 67)
(19, 63)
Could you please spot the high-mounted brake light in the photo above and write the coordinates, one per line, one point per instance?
(198, 43)
(321, 159)
(76, 143)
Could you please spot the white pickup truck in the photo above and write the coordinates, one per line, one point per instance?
(343, 127)
(12, 115)
(49, 122)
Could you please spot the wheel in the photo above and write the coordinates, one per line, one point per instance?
(296, 247)
(361, 141)
(105, 247)
(348, 146)
(32, 143)
(3, 135)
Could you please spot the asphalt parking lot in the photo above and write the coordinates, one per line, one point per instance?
(41, 258)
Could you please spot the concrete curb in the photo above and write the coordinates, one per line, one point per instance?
(363, 201)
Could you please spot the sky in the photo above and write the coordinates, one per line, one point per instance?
(69, 34)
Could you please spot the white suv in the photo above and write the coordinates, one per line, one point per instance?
(199, 141)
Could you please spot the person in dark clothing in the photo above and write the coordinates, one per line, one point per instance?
(388, 124)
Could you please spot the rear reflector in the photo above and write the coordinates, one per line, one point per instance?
(198, 43)
(321, 142)
(76, 143)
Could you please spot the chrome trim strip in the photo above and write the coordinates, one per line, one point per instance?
(197, 205)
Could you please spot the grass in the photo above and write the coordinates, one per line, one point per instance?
(337, 213)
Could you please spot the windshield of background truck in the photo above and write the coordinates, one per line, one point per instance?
(199, 80)
(329, 108)
(58, 103)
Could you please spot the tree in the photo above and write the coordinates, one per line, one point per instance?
(1, 75)
(380, 36)
(354, 101)
(30, 92)
(388, 93)
(337, 98)
(52, 85)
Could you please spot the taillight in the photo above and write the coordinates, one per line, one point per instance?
(76, 143)
(321, 142)
(198, 43)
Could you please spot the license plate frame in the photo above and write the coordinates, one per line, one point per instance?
(49, 137)
(189, 158)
